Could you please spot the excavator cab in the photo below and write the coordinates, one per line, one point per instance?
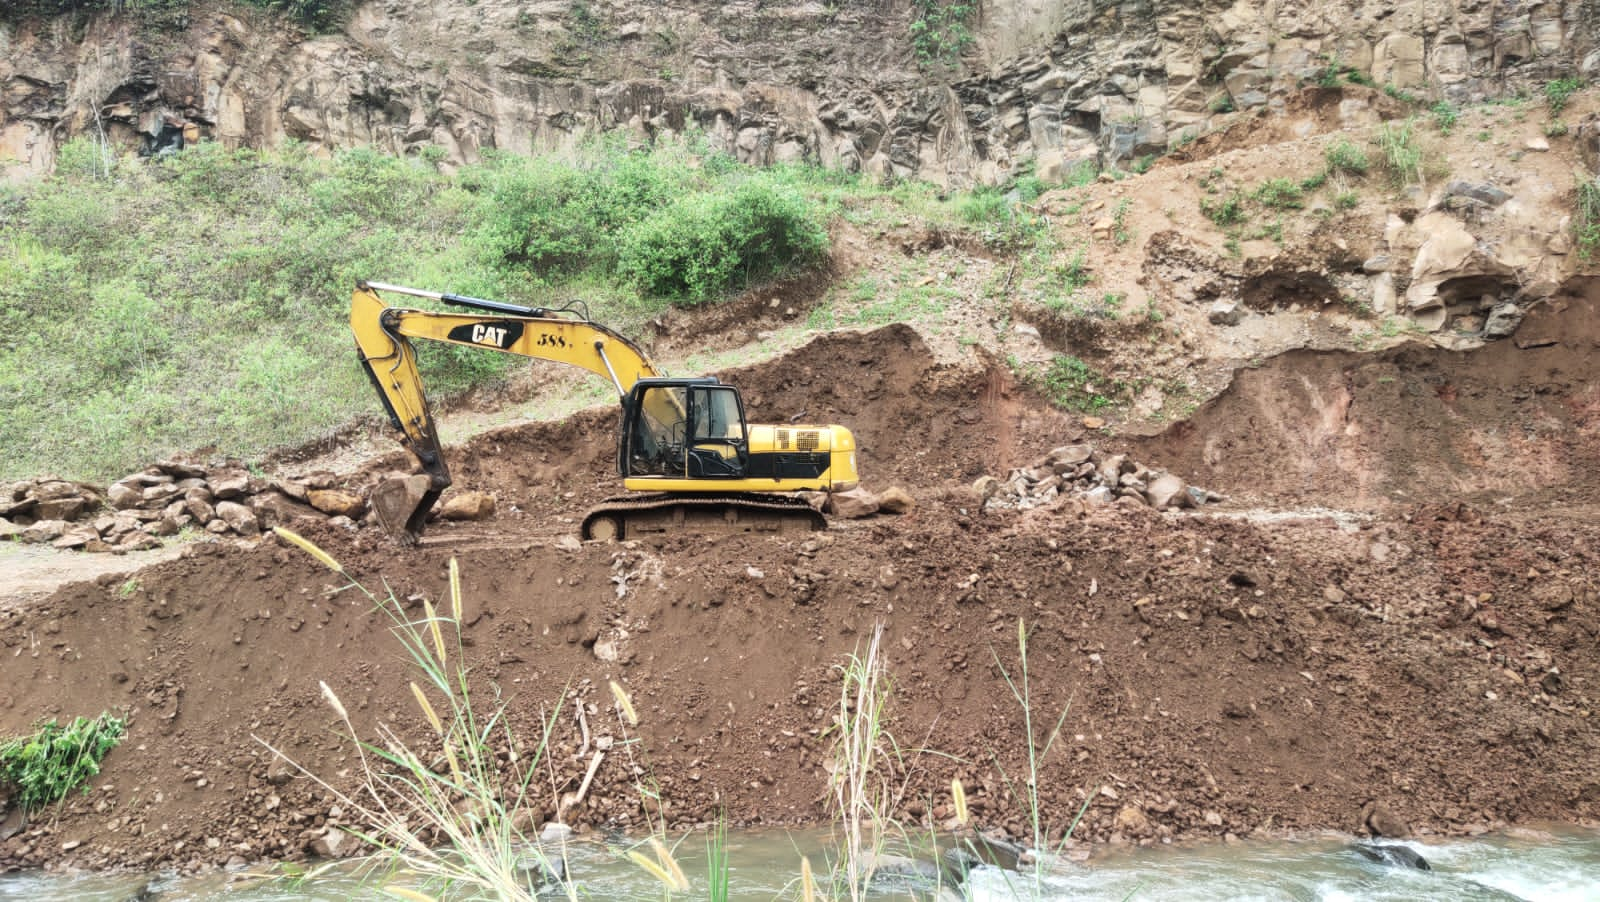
(683, 429)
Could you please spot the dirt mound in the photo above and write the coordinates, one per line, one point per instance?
(1218, 676)
(1514, 421)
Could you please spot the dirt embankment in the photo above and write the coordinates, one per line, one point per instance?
(1219, 675)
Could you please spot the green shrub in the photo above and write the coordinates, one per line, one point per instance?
(1558, 92)
(1345, 156)
(940, 30)
(1401, 94)
(706, 244)
(1279, 194)
(1225, 212)
(55, 760)
(985, 205)
(1029, 188)
(1445, 116)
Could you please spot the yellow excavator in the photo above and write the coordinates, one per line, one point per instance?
(684, 445)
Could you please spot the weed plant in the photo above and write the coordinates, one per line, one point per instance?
(1445, 116)
(941, 31)
(1559, 91)
(1279, 194)
(1072, 384)
(1225, 212)
(44, 767)
(1038, 744)
(865, 757)
(1586, 224)
(1401, 151)
(1345, 156)
(465, 785)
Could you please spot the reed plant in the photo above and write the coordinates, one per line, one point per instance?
(444, 810)
(1038, 746)
(863, 787)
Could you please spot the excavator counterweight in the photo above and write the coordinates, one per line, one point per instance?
(684, 443)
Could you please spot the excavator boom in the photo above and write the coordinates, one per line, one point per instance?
(681, 437)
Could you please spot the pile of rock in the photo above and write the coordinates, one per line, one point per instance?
(1079, 471)
(138, 510)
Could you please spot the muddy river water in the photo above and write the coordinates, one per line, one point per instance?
(1562, 865)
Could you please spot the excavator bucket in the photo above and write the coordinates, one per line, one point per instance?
(402, 506)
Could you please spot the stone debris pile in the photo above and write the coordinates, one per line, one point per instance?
(1095, 477)
(139, 510)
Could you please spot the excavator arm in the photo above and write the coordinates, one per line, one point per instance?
(383, 339)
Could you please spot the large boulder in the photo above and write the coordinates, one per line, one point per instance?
(468, 506)
(238, 517)
(44, 531)
(895, 500)
(123, 496)
(337, 503)
(854, 504)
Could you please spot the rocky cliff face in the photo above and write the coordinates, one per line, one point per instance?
(1052, 82)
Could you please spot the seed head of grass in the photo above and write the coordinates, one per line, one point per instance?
(427, 709)
(958, 794)
(653, 869)
(670, 864)
(455, 590)
(433, 627)
(306, 545)
(333, 701)
(410, 895)
(808, 887)
(624, 703)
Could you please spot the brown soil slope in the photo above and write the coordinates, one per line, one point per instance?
(1219, 675)
(1517, 421)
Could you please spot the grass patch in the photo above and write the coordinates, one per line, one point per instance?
(1559, 91)
(1346, 156)
(1279, 194)
(1402, 154)
(1225, 212)
(1586, 222)
(1445, 116)
(1070, 383)
(44, 767)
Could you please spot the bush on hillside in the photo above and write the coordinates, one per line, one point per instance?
(706, 244)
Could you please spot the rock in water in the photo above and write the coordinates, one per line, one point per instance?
(1399, 856)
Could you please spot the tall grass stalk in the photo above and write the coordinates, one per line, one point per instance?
(1586, 224)
(1398, 141)
(864, 758)
(717, 871)
(470, 809)
(1022, 690)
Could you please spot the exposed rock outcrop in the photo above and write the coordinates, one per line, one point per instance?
(839, 84)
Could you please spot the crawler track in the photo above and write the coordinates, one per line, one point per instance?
(633, 516)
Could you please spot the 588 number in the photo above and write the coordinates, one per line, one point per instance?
(549, 340)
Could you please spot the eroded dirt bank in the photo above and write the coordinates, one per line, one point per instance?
(1223, 675)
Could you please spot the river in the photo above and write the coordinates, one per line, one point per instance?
(1561, 865)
